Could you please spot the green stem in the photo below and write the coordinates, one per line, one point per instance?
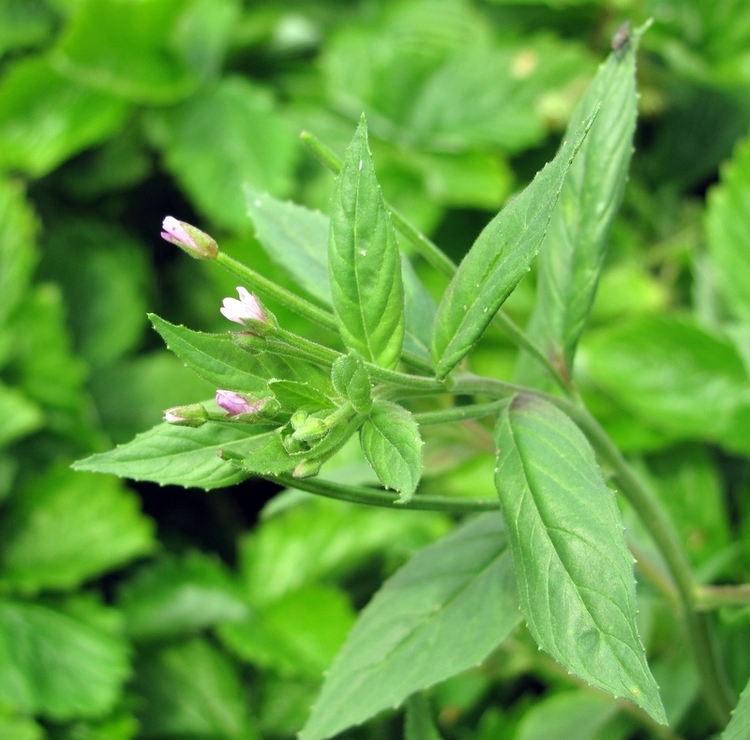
(716, 690)
(313, 351)
(373, 497)
(256, 281)
(714, 597)
(459, 413)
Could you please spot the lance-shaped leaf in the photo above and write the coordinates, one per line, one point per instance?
(182, 456)
(363, 260)
(393, 446)
(574, 570)
(576, 243)
(219, 360)
(499, 258)
(444, 612)
(296, 239)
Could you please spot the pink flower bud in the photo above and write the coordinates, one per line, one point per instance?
(195, 242)
(233, 403)
(246, 309)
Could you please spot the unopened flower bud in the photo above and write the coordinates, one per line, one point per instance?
(267, 408)
(193, 415)
(306, 469)
(298, 418)
(195, 242)
(233, 403)
(249, 312)
(313, 430)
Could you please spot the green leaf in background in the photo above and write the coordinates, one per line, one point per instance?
(58, 665)
(319, 538)
(393, 446)
(105, 289)
(295, 238)
(45, 118)
(675, 375)
(120, 726)
(17, 248)
(190, 689)
(298, 634)
(216, 358)
(223, 139)
(24, 23)
(419, 724)
(351, 381)
(576, 244)
(146, 386)
(169, 454)
(65, 528)
(127, 49)
(442, 613)
(583, 715)
(574, 570)
(500, 257)
(18, 415)
(739, 726)
(17, 727)
(363, 260)
(177, 596)
(727, 229)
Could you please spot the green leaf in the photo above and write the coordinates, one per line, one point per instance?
(128, 50)
(190, 689)
(393, 446)
(219, 141)
(295, 238)
(500, 257)
(184, 456)
(669, 372)
(216, 358)
(18, 416)
(574, 570)
(45, 118)
(583, 715)
(320, 538)
(174, 596)
(293, 395)
(65, 528)
(15, 727)
(105, 289)
(57, 665)
(17, 249)
(24, 23)
(419, 723)
(351, 381)
(298, 634)
(363, 260)
(266, 455)
(727, 226)
(445, 611)
(576, 244)
(739, 725)
(146, 386)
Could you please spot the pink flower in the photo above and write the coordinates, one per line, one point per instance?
(233, 403)
(247, 308)
(194, 241)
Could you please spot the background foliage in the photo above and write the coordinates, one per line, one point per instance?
(137, 611)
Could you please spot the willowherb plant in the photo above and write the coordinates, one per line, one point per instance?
(285, 405)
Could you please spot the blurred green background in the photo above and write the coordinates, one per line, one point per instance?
(144, 612)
